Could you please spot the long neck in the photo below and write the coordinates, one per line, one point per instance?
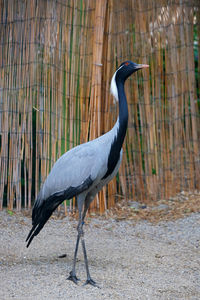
(123, 114)
(121, 125)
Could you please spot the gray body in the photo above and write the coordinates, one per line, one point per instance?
(86, 160)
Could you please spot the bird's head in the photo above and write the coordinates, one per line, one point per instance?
(125, 70)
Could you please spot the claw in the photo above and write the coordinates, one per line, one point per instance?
(73, 277)
(92, 282)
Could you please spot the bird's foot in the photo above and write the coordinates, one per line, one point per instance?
(72, 277)
(92, 282)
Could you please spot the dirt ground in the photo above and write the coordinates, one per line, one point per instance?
(135, 251)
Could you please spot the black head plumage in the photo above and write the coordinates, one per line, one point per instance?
(127, 68)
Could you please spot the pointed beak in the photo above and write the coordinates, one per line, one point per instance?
(142, 66)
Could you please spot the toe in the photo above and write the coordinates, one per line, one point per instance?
(91, 282)
(73, 278)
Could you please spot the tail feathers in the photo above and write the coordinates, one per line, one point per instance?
(43, 208)
(35, 230)
(42, 211)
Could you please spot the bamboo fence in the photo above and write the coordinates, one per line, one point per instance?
(57, 59)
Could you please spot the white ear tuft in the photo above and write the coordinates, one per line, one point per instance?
(113, 88)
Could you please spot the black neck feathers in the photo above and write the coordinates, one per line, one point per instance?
(118, 140)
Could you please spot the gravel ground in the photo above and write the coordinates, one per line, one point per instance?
(128, 259)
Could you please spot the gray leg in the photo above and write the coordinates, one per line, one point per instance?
(89, 280)
(72, 274)
(80, 235)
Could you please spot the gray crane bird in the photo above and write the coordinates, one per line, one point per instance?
(85, 169)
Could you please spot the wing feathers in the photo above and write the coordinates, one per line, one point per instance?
(71, 170)
(43, 209)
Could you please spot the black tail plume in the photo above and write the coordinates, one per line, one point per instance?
(43, 208)
(42, 211)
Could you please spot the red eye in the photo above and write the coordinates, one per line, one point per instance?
(126, 63)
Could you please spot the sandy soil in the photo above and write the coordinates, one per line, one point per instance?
(129, 259)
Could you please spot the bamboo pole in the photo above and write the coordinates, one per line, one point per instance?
(96, 95)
